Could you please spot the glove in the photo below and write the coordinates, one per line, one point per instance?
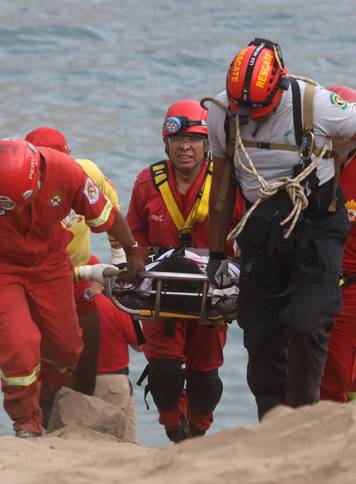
(136, 258)
(218, 269)
(118, 257)
(96, 272)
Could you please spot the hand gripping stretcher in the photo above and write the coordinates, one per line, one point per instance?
(176, 286)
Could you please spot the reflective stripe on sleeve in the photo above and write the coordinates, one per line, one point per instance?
(22, 381)
(103, 217)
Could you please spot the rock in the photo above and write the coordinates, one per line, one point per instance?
(74, 408)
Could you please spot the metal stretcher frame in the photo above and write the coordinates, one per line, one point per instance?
(156, 314)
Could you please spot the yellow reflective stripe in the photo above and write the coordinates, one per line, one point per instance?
(22, 381)
(165, 314)
(352, 395)
(172, 206)
(103, 217)
(200, 208)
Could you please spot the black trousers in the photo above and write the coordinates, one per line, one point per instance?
(287, 305)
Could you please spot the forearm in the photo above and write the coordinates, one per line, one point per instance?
(121, 232)
(220, 206)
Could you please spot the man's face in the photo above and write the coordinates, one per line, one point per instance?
(187, 151)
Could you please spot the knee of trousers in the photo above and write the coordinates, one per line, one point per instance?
(204, 390)
(166, 382)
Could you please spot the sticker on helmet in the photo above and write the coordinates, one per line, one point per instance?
(6, 203)
(88, 294)
(91, 191)
(338, 101)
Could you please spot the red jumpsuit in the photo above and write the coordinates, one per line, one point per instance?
(38, 317)
(117, 331)
(199, 347)
(339, 376)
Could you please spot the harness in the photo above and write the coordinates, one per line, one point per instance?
(305, 170)
(199, 211)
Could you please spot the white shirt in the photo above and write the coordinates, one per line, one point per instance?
(329, 119)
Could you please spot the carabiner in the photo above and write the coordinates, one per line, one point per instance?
(307, 145)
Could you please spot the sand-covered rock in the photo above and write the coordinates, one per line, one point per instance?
(73, 408)
(314, 444)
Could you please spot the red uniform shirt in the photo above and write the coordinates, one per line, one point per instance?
(149, 218)
(348, 185)
(28, 236)
(116, 332)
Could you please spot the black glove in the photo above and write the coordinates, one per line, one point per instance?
(217, 269)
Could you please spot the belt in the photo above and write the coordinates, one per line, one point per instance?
(122, 371)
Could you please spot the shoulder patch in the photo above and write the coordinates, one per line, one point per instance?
(338, 101)
(91, 191)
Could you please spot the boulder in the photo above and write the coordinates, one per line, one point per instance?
(74, 408)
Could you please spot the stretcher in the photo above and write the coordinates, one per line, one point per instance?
(176, 286)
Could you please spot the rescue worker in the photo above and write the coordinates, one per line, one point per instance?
(339, 377)
(84, 375)
(117, 332)
(169, 208)
(38, 320)
(275, 131)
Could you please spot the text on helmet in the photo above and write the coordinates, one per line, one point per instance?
(235, 68)
(265, 69)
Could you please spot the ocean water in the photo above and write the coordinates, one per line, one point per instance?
(105, 71)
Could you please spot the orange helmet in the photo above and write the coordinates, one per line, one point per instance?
(49, 138)
(346, 93)
(256, 79)
(185, 116)
(20, 173)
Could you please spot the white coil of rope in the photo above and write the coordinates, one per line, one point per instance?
(266, 190)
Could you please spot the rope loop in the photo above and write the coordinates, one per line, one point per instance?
(266, 190)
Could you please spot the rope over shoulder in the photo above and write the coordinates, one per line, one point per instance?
(215, 101)
(291, 185)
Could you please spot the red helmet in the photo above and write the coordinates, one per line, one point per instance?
(49, 138)
(256, 78)
(20, 173)
(185, 116)
(346, 93)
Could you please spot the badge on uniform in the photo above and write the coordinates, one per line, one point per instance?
(91, 191)
(338, 101)
(55, 199)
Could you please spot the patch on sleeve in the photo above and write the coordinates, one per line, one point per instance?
(91, 191)
(351, 210)
(338, 101)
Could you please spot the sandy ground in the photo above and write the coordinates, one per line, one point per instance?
(314, 444)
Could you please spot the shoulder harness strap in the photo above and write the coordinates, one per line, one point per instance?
(302, 124)
(200, 209)
(230, 135)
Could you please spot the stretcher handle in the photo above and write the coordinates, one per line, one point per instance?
(177, 276)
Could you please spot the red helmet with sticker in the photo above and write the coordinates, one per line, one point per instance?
(255, 79)
(20, 173)
(346, 93)
(49, 138)
(185, 116)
